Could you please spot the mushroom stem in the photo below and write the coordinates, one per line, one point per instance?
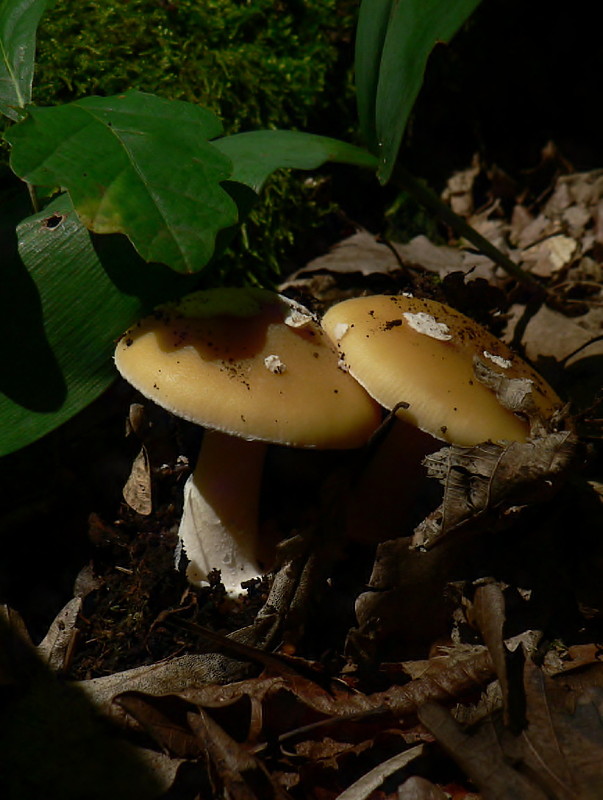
(384, 493)
(219, 526)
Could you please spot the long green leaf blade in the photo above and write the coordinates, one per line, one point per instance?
(257, 154)
(134, 164)
(413, 28)
(18, 24)
(373, 19)
(60, 312)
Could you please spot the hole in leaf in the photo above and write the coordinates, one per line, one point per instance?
(53, 221)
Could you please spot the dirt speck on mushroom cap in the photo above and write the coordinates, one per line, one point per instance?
(206, 359)
(431, 366)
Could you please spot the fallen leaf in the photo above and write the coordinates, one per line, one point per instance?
(55, 647)
(417, 788)
(550, 255)
(236, 773)
(137, 489)
(493, 479)
(480, 756)
(364, 787)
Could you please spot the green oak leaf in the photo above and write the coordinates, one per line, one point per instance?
(135, 164)
(257, 154)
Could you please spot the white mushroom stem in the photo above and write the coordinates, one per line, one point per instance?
(219, 527)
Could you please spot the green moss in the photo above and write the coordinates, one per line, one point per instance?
(256, 63)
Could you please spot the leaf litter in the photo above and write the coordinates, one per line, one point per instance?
(461, 658)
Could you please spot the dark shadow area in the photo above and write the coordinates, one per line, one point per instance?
(245, 199)
(584, 379)
(516, 76)
(151, 283)
(53, 743)
(28, 362)
(49, 490)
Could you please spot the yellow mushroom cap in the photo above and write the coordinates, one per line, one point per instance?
(247, 362)
(421, 352)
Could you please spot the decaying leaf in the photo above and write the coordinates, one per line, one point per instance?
(489, 617)
(557, 756)
(165, 720)
(459, 188)
(551, 334)
(235, 772)
(137, 489)
(55, 647)
(552, 750)
(495, 480)
(406, 601)
(417, 788)
(373, 779)
(366, 254)
(550, 255)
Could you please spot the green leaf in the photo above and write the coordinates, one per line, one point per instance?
(390, 63)
(257, 154)
(373, 19)
(18, 24)
(133, 164)
(60, 312)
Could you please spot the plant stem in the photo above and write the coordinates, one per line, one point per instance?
(424, 195)
(32, 196)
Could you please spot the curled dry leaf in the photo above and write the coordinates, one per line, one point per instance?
(235, 772)
(489, 615)
(137, 489)
(292, 709)
(492, 480)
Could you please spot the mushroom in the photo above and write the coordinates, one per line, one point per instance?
(252, 367)
(444, 374)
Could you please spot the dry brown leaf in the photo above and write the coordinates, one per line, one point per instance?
(368, 783)
(459, 189)
(489, 616)
(556, 756)
(492, 479)
(291, 708)
(235, 772)
(446, 681)
(576, 657)
(417, 788)
(549, 256)
(480, 756)
(55, 647)
(406, 600)
(165, 720)
(364, 253)
(552, 334)
(137, 489)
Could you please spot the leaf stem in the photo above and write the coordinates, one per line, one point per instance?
(33, 197)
